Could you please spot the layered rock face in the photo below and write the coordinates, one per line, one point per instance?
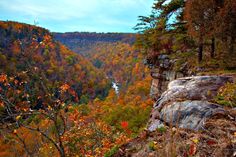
(163, 74)
(187, 102)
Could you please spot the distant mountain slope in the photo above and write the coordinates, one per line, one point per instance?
(31, 54)
(113, 53)
(80, 42)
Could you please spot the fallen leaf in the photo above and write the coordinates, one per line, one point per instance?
(192, 150)
(211, 142)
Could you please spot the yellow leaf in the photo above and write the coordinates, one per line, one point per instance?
(18, 117)
(195, 141)
(49, 108)
(15, 132)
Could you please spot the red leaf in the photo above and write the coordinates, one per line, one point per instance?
(124, 124)
(211, 142)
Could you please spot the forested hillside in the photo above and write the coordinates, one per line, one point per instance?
(65, 99)
(32, 51)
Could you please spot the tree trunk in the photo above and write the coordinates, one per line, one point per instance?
(60, 146)
(62, 151)
(213, 47)
(200, 52)
(200, 48)
(231, 46)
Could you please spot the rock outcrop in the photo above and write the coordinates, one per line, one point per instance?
(187, 102)
(163, 74)
(185, 122)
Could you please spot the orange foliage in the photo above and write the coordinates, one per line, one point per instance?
(64, 87)
(3, 78)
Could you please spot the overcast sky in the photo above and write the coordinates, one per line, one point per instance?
(77, 15)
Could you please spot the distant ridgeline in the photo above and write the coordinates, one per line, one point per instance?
(82, 41)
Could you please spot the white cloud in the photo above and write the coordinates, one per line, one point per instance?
(106, 12)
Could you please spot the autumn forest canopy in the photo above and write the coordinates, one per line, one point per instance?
(87, 93)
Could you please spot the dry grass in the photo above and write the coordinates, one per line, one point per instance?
(218, 139)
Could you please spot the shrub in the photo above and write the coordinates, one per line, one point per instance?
(227, 95)
(135, 116)
(162, 129)
(111, 152)
(152, 145)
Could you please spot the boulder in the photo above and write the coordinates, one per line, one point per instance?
(187, 103)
